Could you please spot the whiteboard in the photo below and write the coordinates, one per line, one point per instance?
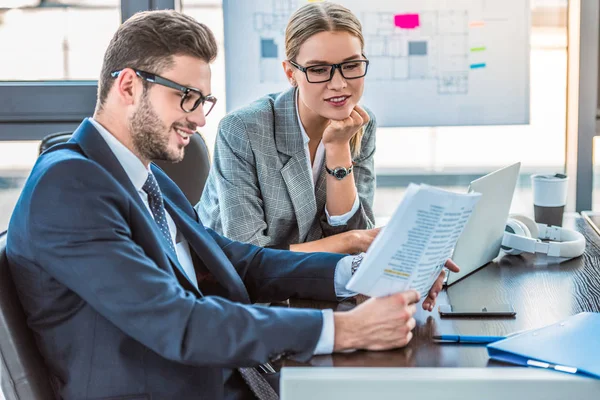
(432, 62)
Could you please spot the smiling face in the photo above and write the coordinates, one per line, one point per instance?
(159, 128)
(334, 99)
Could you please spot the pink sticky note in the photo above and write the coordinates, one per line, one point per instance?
(406, 21)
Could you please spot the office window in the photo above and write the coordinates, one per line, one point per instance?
(210, 13)
(51, 52)
(15, 164)
(55, 39)
(52, 43)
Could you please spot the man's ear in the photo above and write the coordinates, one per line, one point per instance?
(289, 70)
(127, 85)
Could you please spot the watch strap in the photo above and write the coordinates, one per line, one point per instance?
(331, 171)
(356, 260)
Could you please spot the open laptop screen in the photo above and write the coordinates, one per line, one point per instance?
(480, 241)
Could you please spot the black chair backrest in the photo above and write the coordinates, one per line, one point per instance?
(190, 174)
(52, 139)
(24, 374)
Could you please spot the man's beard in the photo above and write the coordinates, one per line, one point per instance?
(150, 137)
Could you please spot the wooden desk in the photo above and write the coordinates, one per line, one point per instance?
(541, 295)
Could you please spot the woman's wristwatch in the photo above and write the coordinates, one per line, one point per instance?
(340, 173)
(356, 262)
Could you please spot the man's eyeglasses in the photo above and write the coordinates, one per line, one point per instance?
(324, 73)
(191, 98)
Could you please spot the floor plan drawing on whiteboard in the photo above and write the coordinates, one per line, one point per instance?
(459, 62)
(270, 25)
(425, 45)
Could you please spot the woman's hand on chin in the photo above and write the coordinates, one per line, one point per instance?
(341, 131)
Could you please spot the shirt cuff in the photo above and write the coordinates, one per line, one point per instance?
(325, 343)
(343, 273)
(338, 220)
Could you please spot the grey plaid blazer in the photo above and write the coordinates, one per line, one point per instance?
(260, 188)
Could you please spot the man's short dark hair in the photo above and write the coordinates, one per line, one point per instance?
(149, 40)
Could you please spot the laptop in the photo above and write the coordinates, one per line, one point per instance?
(480, 240)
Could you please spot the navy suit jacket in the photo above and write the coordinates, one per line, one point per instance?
(113, 313)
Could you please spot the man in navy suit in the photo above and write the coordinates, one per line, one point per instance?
(128, 294)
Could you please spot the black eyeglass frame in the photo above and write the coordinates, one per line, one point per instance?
(153, 78)
(333, 68)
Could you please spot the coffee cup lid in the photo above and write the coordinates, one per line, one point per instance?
(549, 177)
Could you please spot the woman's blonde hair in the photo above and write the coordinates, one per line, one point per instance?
(323, 17)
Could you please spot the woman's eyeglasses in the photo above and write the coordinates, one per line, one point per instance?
(324, 73)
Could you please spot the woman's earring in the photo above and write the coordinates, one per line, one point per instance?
(294, 83)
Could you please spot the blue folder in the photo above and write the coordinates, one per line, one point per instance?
(572, 346)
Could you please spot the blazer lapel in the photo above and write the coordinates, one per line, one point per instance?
(95, 148)
(209, 252)
(316, 232)
(295, 172)
(321, 187)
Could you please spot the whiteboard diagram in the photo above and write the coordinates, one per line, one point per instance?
(432, 62)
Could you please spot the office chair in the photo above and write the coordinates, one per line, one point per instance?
(190, 174)
(52, 139)
(24, 374)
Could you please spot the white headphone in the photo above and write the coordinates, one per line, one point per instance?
(522, 234)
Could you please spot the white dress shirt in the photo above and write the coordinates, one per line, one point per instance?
(336, 220)
(138, 173)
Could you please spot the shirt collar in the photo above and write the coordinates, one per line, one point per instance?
(305, 137)
(133, 166)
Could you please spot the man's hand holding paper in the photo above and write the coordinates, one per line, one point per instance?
(380, 323)
(386, 322)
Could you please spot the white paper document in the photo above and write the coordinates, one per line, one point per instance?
(410, 252)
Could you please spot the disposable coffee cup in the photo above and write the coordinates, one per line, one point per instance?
(549, 198)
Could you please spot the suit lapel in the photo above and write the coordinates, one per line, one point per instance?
(295, 172)
(179, 271)
(95, 148)
(209, 253)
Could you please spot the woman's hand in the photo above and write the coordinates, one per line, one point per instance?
(361, 239)
(340, 131)
(349, 242)
(361, 298)
(429, 302)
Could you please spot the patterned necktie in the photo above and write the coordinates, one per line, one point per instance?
(259, 385)
(157, 207)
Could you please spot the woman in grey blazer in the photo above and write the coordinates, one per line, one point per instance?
(295, 169)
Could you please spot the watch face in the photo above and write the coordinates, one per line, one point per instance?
(340, 172)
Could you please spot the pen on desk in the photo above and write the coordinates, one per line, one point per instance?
(466, 339)
(473, 339)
